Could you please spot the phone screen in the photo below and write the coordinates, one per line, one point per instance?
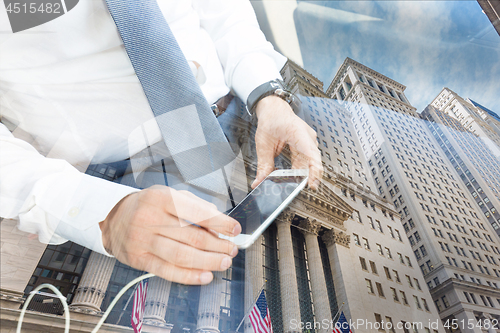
(263, 201)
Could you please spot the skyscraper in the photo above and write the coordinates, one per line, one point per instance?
(492, 9)
(477, 119)
(375, 276)
(454, 245)
(477, 165)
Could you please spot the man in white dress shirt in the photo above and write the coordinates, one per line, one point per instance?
(69, 97)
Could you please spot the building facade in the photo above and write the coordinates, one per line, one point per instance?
(454, 245)
(477, 166)
(474, 117)
(492, 9)
(378, 280)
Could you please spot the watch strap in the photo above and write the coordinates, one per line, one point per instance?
(273, 87)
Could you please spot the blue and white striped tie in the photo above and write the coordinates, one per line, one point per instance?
(188, 125)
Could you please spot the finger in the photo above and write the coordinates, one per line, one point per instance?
(186, 256)
(315, 173)
(199, 238)
(170, 272)
(305, 155)
(299, 161)
(201, 212)
(266, 151)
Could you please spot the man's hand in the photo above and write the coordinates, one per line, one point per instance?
(278, 126)
(148, 231)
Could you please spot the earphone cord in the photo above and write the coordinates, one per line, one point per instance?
(65, 304)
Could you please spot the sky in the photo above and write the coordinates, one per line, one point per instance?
(425, 45)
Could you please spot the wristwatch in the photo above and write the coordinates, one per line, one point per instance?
(274, 87)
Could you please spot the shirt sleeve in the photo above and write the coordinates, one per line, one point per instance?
(247, 58)
(51, 198)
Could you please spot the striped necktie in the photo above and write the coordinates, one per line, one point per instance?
(187, 124)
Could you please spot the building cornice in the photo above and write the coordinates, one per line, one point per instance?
(350, 62)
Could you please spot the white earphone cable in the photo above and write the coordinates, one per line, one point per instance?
(65, 304)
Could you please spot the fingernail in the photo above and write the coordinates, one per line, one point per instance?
(237, 229)
(226, 262)
(205, 277)
(234, 252)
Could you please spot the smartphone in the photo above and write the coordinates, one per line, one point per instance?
(264, 203)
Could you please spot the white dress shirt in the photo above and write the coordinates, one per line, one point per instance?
(69, 96)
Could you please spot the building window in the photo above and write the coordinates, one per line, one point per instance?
(390, 325)
(401, 260)
(378, 320)
(403, 297)
(387, 273)
(372, 225)
(438, 305)
(417, 284)
(356, 240)
(366, 245)
(445, 302)
(369, 286)
(394, 295)
(373, 267)
(61, 265)
(379, 289)
(396, 276)
(426, 307)
(417, 302)
(358, 217)
(389, 255)
(408, 261)
(408, 278)
(362, 261)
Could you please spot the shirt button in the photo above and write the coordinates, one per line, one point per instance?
(74, 212)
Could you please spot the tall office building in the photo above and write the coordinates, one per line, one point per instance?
(375, 276)
(454, 245)
(492, 9)
(473, 116)
(474, 161)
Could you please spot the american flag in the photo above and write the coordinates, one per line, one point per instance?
(260, 317)
(342, 325)
(139, 304)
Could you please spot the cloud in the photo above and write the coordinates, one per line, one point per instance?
(424, 45)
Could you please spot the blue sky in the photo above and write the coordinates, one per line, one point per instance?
(425, 45)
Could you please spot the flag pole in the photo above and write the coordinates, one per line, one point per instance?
(126, 304)
(255, 300)
(333, 319)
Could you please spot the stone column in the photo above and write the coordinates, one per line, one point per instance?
(346, 89)
(209, 306)
(254, 278)
(94, 282)
(317, 274)
(288, 276)
(486, 317)
(467, 316)
(337, 244)
(156, 301)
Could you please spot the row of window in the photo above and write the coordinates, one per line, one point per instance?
(402, 325)
(373, 267)
(383, 252)
(397, 297)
